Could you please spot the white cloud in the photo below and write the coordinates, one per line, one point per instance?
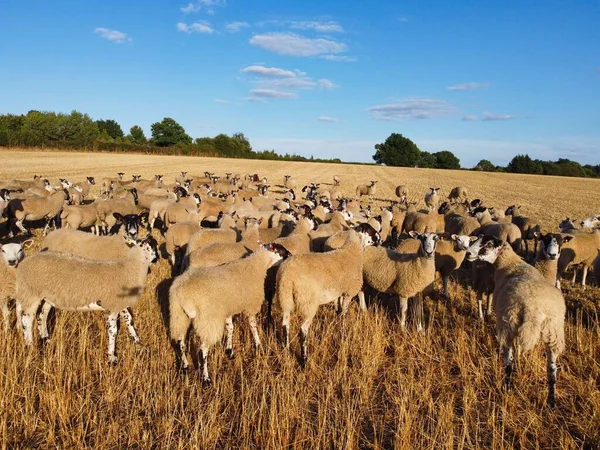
(296, 45)
(272, 93)
(339, 58)
(320, 27)
(472, 85)
(488, 117)
(328, 119)
(234, 27)
(222, 101)
(196, 27)
(412, 108)
(268, 71)
(324, 83)
(118, 37)
(289, 83)
(191, 8)
(194, 7)
(469, 118)
(255, 99)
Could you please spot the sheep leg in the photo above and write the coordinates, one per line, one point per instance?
(229, 344)
(574, 276)
(526, 245)
(27, 324)
(127, 317)
(552, 369)
(19, 224)
(509, 361)
(254, 328)
(285, 323)
(112, 327)
(42, 322)
(206, 381)
(585, 271)
(490, 302)
(418, 308)
(181, 355)
(361, 301)
(479, 304)
(403, 309)
(445, 282)
(6, 316)
(45, 232)
(304, 338)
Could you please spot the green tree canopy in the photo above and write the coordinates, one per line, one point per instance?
(446, 160)
(136, 135)
(524, 164)
(110, 127)
(397, 151)
(168, 132)
(427, 160)
(485, 166)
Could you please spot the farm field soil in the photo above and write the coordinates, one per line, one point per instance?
(367, 384)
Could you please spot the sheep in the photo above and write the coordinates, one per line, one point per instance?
(582, 249)
(123, 206)
(432, 199)
(35, 209)
(178, 213)
(449, 254)
(298, 242)
(12, 255)
(482, 277)
(546, 261)
(456, 220)
(209, 297)
(423, 222)
(527, 308)
(306, 281)
(80, 216)
(591, 222)
(208, 236)
(318, 237)
(529, 228)
(458, 194)
(336, 180)
(508, 232)
(405, 275)
(4, 199)
(85, 186)
(402, 193)
(569, 225)
(158, 209)
(366, 189)
(289, 182)
(176, 239)
(73, 283)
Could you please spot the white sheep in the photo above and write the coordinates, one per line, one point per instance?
(12, 255)
(35, 208)
(366, 189)
(73, 283)
(432, 198)
(528, 309)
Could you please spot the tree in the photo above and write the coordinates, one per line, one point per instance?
(168, 133)
(485, 166)
(427, 160)
(136, 135)
(110, 127)
(446, 160)
(397, 151)
(524, 164)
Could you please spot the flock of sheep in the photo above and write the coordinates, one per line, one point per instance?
(234, 248)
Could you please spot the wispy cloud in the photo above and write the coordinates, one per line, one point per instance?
(196, 27)
(412, 108)
(268, 71)
(296, 45)
(488, 117)
(118, 37)
(320, 27)
(222, 101)
(469, 118)
(341, 58)
(470, 86)
(324, 83)
(272, 93)
(328, 119)
(199, 5)
(234, 27)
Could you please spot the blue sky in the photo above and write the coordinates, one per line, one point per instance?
(329, 79)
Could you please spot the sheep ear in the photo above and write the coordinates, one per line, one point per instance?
(454, 237)
(473, 238)
(28, 243)
(568, 238)
(260, 221)
(413, 234)
(144, 214)
(118, 216)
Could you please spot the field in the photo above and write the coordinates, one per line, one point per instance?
(367, 384)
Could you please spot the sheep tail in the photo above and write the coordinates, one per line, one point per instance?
(284, 293)
(179, 321)
(529, 332)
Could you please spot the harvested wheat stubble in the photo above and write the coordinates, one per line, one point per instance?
(368, 385)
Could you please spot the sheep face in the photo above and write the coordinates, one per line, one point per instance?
(463, 242)
(13, 254)
(591, 222)
(490, 249)
(551, 244)
(511, 210)
(279, 251)
(91, 180)
(131, 222)
(428, 242)
(475, 248)
(568, 224)
(5, 195)
(368, 235)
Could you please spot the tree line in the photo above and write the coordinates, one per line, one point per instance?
(78, 131)
(398, 150)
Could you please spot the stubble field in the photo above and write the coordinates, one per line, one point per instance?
(367, 384)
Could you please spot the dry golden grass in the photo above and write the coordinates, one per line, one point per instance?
(367, 384)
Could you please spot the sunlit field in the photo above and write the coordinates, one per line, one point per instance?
(367, 384)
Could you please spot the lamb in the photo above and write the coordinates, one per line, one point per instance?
(123, 206)
(449, 254)
(80, 216)
(546, 261)
(529, 228)
(582, 249)
(209, 297)
(402, 193)
(432, 199)
(483, 277)
(35, 209)
(458, 194)
(405, 275)
(73, 283)
(12, 255)
(366, 189)
(527, 308)
(306, 281)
